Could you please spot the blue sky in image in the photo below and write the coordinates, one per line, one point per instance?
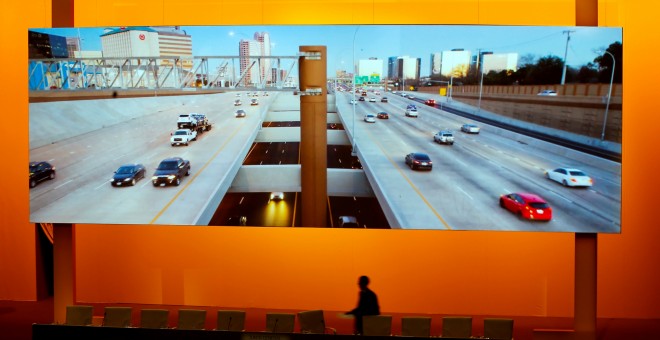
(383, 41)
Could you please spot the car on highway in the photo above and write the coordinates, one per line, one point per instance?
(40, 171)
(276, 196)
(547, 93)
(353, 101)
(183, 137)
(254, 101)
(361, 99)
(430, 102)
(128, 175)
(370, 118)
(238, 102)
(372, 99)
(411, 111)
(383, 115)
(570, 177)
(239, 113)
(171, 171)
(383, 100)
(470, 128)
(444, 137)
(410, 96)
(347, 222)
(418, 160)
(527, 206)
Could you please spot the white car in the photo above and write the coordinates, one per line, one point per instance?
(183, 137)
(353, 101)
(444, 137)
(372, 99)
(370, 118)
(411, 111)
(276, 196)
(239, 114)
(470, 128)
(569, 177)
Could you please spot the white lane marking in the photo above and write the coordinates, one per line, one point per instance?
(63, 184)
(241, 201)
(102, 185)
(466, 194)
(51, 160)
(562, 197)
(116, 158)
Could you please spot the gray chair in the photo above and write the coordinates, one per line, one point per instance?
(456, 327)
(498, 328)
(78, 315)
(418, 326)
(230, 320)
(191, 319)
(154, 318)
(313, 322)
(280, 322)
(117, 316)
(379, 325)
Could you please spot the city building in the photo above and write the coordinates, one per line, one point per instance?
(253, 71)
(46, 46)
(408, 68)
(500, 61)
(455, 62)
(436, 63)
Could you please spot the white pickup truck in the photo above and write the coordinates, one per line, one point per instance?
(183, 137)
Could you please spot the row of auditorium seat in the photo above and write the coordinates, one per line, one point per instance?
(310, 322)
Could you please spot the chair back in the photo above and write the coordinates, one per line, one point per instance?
(311, 321)
(498, 328)
(117, 316)
(78, 315)
(280, 322)
(380, 325)
(154, 318)
(191, 319)
(457, 326)
(419, 326)
(230, 320)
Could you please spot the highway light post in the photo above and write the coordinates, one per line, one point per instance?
(609, 95)
(354, 149)
(481, 87)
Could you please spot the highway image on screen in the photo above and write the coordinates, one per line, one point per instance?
(484, 128)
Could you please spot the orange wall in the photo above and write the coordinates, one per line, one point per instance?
(479, 273)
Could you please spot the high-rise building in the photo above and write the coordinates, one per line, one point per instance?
(500, 61)
(174, 42)
(73, 46)
(408, 68)
(43, 45)
(436, 63)
(455, 62)
(392, 67)
(253, 70)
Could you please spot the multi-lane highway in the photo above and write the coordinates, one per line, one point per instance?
(468, 177)
(81, 193)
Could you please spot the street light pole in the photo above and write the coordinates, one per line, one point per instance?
(354, 150)
(481, 87)
(609, 95)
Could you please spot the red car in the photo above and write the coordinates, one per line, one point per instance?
(527, 206)
(430, 102)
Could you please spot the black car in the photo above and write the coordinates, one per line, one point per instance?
(418, 160)
(361, 99)
(170, 171)
(128, 174)
(40, 171)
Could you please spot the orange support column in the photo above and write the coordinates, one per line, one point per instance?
(63, 269)
(63, 251)
(313, 135)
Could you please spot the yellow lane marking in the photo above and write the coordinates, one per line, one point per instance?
(409, 181)
(160, 213)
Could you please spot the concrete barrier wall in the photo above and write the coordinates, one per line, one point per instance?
(580, 114)
(52, 122)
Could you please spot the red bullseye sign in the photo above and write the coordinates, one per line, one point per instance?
(141, 36)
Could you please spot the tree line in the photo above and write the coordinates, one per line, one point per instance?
(548, 70)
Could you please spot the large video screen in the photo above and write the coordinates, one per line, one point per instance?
(447, 127)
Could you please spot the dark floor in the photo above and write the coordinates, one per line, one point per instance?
(16, 318)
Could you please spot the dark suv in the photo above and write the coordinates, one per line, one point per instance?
(40, 171)
(170, 171)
